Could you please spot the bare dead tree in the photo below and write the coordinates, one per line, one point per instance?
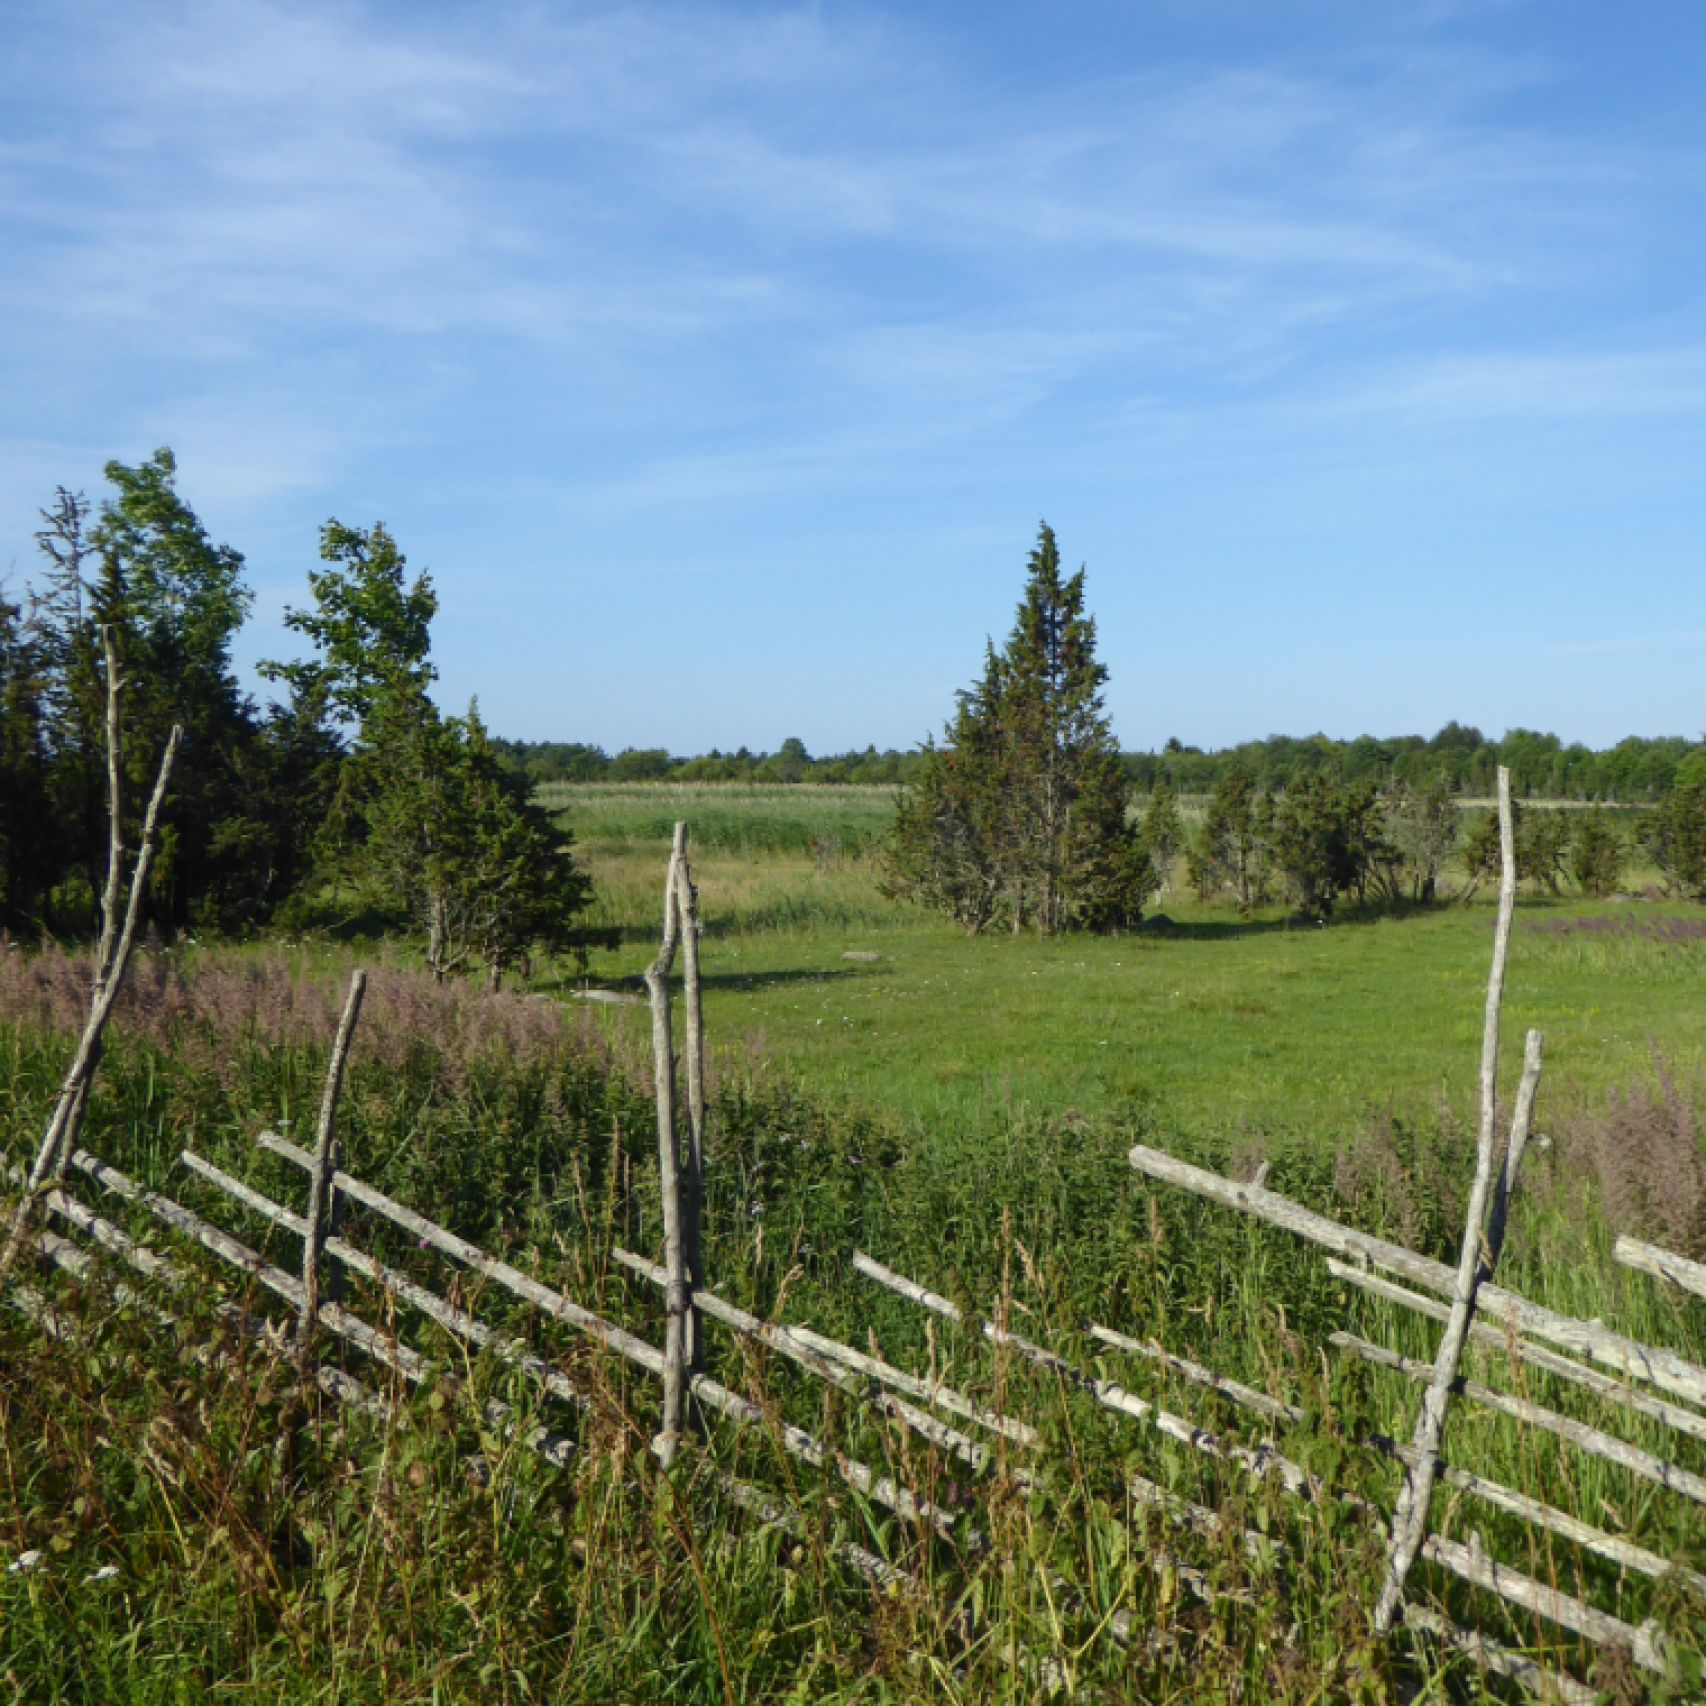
(112, 958)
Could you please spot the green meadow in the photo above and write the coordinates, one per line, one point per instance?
(195, 1527)
(1205, 1021)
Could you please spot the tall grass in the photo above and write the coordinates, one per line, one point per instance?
(428, 1558)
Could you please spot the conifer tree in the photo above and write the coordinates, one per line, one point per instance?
(1161, 835)
(1598, 852)
(1230, 850)
(26, 842)
(1675, 835)
(1019, 817)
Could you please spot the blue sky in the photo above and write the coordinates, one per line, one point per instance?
(720, 361)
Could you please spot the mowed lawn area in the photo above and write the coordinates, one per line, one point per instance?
(1210, 1024)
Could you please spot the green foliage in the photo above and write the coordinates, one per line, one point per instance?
(1542, 847)
(369, 625)
(1598, 852)
(1676, 837)
(1459, 759)
(453, 835)
(639, 764)
(425, 1557)
(1161, 835)
(1422, 828)
(1020, 816)
(1325, 840)
(175, 601)
(425, 817)
(1230, 850)
(25, 847)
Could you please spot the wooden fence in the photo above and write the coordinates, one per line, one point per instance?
(66, 1229)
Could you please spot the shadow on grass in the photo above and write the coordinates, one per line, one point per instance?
(739, 982)
(1164, 929)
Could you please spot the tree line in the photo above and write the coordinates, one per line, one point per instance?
(1637, 770)
(577, 761)
(1324, 840)
(352, 797)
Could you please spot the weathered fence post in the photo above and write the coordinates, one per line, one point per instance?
(693, 1192)
(681, 1334)
(322, 1193)
(1475, 1260)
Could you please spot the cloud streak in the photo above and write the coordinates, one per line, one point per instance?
(647, 269)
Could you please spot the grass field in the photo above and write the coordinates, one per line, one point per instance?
(1247, 1027)
(962, 1109)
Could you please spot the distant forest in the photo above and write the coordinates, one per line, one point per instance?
(1635, 770)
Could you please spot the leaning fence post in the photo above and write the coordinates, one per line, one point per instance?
(693, 1193)
(322, 1194)
(1410, 1518)
(679, 1326)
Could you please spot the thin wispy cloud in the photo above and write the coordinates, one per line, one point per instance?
(614, 280)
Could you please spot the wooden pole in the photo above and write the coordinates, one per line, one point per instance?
(1559, 1522)
(693, 1185)
(1522, 1119)
(1410, 1519)
(322, 1220)
(783, 1340)
(740, 1410)
(1257, 1462)
(678, 1299)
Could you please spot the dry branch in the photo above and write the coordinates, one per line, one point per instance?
(772, 1515)
(1246, 1396)
(678, 1302)
(1561, 1523)
(1518, 1667)
(383, 1348)
(932, 1392)
(75, 1260)
(787, 1343)
(693, 1198)
(114, 959)
(458, 1322)
(1645, 1644)
(1258, 1461)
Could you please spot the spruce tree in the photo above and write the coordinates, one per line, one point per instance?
(1019, 816)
